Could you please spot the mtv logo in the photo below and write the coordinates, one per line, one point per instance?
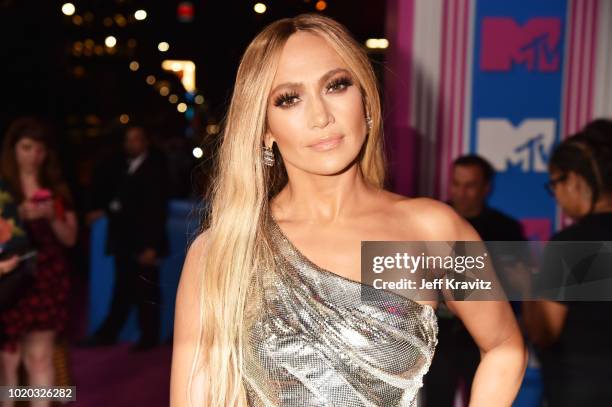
(535, 44)
(525, 148)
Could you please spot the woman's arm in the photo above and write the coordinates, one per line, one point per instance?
(65, 229)
(503, 354)
(491, 323)
(187, 331)
(494, 328)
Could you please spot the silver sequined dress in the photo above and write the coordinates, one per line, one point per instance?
(319, 339)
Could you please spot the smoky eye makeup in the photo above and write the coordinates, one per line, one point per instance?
(290, 97)
(339, 84)
(286, 99)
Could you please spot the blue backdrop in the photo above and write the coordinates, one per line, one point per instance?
(181, 228)
(517, 82)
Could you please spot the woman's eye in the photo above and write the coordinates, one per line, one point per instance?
(286, 100)
(339, 84)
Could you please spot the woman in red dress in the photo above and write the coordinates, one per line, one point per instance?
(30, 325)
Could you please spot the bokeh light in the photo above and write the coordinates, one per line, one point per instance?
(68, 9)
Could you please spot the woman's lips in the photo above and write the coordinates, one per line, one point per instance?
(327, 144)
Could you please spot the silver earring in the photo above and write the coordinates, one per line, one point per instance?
(268, 156)
(369, 122)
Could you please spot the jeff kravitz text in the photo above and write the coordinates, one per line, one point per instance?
(435, 284)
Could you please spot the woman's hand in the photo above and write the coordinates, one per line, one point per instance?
(6, 266)
(28, 211)
(65, 228)
(47, 210)
(37, 210)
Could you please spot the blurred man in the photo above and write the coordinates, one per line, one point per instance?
(136, 205)
(457, 355)
(470, 185)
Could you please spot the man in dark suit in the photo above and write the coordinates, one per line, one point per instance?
(471, 183)
(136, 205)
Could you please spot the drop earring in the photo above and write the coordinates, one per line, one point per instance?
(268, 156)
(369, 122)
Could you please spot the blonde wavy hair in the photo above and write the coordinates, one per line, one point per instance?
(236, 241)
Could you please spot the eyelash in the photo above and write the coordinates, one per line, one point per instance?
(285, 100)
(344, 81)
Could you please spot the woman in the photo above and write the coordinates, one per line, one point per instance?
(575, 337)
(30, 168)
(258, 310)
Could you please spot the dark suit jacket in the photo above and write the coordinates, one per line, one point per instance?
(137, 206)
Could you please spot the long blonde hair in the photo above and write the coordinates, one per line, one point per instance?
(236, 242)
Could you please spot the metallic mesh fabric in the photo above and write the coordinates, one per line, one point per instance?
(319, 339)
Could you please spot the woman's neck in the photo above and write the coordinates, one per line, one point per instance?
(313, 197)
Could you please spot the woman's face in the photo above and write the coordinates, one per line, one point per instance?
(30, 154)
(315, 110)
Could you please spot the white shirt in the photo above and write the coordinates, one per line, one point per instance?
(135, 163)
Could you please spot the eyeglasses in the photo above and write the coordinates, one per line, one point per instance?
(550, 185)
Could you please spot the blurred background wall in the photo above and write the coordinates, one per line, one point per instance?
(503, 79)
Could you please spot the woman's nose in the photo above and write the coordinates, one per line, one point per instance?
(320, 115)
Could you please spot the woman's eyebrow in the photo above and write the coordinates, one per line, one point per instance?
(323, 78)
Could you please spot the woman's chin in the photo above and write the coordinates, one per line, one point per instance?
(334, 166)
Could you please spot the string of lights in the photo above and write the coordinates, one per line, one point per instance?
(184, 70)
(121, 43)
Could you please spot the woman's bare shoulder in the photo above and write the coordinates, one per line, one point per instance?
(429, 218)
(198, 245)
(192, 273)
(426, 207)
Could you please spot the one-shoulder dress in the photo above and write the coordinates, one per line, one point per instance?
(319, 339)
